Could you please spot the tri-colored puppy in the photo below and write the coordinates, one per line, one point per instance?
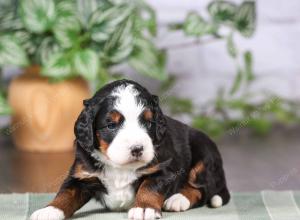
(130, 156)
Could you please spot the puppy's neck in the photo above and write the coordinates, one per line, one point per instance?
(101, 161)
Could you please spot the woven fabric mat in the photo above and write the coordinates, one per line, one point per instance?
(265, 205)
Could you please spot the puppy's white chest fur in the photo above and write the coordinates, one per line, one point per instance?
(118, 183)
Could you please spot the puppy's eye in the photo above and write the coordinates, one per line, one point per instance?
(112, 126)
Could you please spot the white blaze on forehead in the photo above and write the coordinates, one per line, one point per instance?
(132, 132)
(127, 102)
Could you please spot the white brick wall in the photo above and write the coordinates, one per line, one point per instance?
(202, 69)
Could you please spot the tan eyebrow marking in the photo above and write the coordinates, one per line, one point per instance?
(148, 114)
(115, 116)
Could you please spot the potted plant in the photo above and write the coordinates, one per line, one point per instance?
(63, 47)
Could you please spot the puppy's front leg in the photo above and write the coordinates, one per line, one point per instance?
(69, 199)
(148, 202)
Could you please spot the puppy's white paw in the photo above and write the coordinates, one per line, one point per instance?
(138, 213)
(216, 201)
(48, 213)
(177, 203)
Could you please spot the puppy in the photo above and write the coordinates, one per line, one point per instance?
(130, 156)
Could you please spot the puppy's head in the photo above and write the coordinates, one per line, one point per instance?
(121, 125)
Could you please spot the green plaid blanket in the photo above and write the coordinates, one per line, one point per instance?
(266, 205)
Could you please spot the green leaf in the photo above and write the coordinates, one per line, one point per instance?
(147, 19)
(118, 2)
(23, 37)
(272, 104)
(220, 99)
(179, 105)
(210, 125)
(148, 60)
(85, 9)
(86, 63)
(167, 85)
(4, 107)
(237, 82)
(245, 18)
(66, 8)
(231, 48)
(30, 42)
(260, 126)
(46, 50)
(57, 67)
(238, 104)
(67, 27)
(248, 60)
(280, 110)
(284, 116)
(11, 52)
(37, 15)
(8, 19)
(104, 22)
(151, 23)
(5, 4)
(194, 25)
(222, 11)
(120, 45)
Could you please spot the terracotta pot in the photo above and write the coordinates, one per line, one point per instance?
(44, 113)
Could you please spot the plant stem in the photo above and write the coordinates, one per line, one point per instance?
(2, 85)
(190, 44)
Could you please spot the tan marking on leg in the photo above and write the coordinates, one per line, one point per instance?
(192, 194)
(69, 201)
(196, 170)
(190, 189)
(147, 198)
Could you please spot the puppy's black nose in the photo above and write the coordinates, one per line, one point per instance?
(137, 151)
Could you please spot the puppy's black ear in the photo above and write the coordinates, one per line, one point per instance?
(84, 129)
(161, 123)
